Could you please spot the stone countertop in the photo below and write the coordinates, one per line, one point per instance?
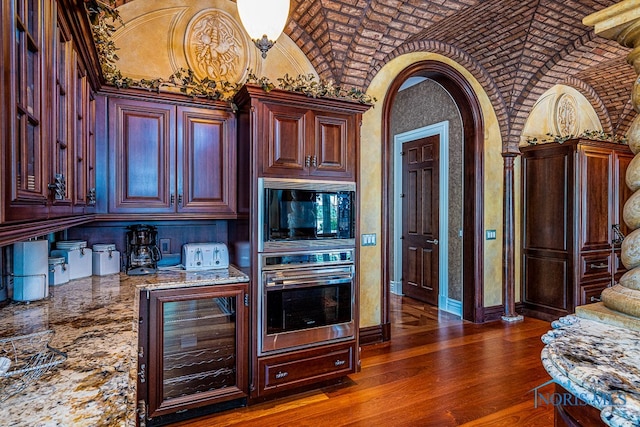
(94, 320)
(599, 363)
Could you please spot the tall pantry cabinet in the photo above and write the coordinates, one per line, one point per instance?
(573, 197)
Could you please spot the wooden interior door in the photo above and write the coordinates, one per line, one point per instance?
(420, 219)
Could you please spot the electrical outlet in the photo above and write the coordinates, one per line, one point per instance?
(165, 246)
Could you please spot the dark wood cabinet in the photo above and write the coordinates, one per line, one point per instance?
(169, 159)
(303, 138)
(573, 197)
(297, 369)
(84, 148)
(283, 134)
(142, 145)
(206, 161)
(333, 147)
(27, 40)
(571, 411)
(192, 351)
(48, 126)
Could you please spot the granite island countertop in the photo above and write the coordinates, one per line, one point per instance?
(599, 363)
(94, 320)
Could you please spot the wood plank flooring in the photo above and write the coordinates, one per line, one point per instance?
(437, 370)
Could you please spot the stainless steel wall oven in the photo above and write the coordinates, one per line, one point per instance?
(305, 298)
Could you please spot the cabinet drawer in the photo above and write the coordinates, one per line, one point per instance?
(595, 266)
(591, 293)
(282, 372)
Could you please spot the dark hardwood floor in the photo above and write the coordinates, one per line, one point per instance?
(437, 370)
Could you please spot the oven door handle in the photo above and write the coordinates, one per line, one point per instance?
(304, 282)
(309, 272)
(269, 276)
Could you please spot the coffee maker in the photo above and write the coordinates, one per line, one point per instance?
(142, 250)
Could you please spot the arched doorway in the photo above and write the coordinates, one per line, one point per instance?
(473, 140)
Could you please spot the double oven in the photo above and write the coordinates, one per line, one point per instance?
(306, 245)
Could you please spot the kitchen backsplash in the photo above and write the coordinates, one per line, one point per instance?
(171, 234)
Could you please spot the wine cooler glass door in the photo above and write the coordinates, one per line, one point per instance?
(200, 348)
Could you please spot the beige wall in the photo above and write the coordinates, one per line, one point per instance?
(561, 111)
(160, 37)
(371, 188)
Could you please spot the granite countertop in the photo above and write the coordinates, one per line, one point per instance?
(94, 320)
(599, 363)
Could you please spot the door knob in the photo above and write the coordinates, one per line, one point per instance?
(434, 241)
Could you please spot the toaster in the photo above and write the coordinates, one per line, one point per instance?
(205, 256)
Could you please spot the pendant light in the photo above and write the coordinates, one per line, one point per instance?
(263, 21)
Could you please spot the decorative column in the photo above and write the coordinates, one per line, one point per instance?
(508, 242)
(621, 22)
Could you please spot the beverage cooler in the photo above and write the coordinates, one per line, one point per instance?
(192, 355)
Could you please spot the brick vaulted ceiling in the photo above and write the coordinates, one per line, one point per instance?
(517, 49)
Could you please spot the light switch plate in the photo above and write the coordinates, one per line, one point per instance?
(368, 239)
(491, 234)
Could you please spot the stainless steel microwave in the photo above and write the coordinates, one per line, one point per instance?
(297, 213)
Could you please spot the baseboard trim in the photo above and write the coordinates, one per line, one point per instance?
(493, 313)
(375, 334)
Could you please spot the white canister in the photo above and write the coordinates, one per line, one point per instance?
(58, 271)
(106, 260)
(30, 269)
(78, 257)
(30, 258)
(30, 288)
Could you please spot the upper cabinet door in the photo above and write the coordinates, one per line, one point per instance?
(284, 138)
(62, 148)
(26, 179)
(206, 161)
(307, 142)
(83, 127)
(332, 153)
(141, 157)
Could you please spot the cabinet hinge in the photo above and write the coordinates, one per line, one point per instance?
(246, 300)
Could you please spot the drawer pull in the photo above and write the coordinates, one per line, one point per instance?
(141, 374)
(281, 375)
(339, 362)
(595, 299)
(599, 266)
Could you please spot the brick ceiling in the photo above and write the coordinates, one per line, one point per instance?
(516, 49)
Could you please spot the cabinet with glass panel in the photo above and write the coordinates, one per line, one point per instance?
(48, 110)
(192, 356)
